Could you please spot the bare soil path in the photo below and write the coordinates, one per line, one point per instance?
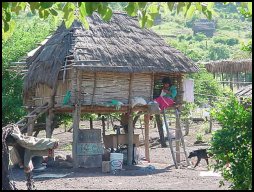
(163, 176)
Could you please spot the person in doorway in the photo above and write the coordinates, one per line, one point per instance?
(168, 94)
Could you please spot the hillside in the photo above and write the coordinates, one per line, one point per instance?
(231, 30)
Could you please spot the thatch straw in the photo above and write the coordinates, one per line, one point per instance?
(120, 45)
(229, 66)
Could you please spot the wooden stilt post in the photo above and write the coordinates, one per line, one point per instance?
(147, 152)
(103, 125)
(177, 136)
(30, 126)
(49, 122)
(130, 126)
(91, 122)
(50, 114)
(76, 114)
(187, 125)
(160, 129)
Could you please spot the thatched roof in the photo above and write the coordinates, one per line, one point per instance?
(228, 66)
(119, 45)
(244, 91)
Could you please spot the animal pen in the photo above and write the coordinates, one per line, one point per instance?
(82, 71)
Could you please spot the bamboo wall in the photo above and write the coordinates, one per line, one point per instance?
(101, 87)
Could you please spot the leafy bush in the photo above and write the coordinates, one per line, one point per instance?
(188, 37)
(219, 39)
(195, 54)
(205, 84)
(232, 41)
(181, 37)
(224, 40)
(199, 37)
(218, 51)
(199, 137)
(232, 145)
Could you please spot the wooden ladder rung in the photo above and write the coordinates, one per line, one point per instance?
(21, 125)
(178, 151)
(28, 116)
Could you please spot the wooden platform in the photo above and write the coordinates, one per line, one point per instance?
(110, 141)
(99, 109)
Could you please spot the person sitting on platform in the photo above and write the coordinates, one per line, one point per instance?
(168, 94)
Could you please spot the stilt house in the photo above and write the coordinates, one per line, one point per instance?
(80, 71)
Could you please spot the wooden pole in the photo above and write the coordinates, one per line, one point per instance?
(187, 125)
(103, 125)
(91, 122)
(160, 129)
(94, 87)
(152, 86)
(147, 152)
(177, 136)
(30, 126)
(49, 122)
(130, 125)
(231, 81)
(76, 115)
(50, 114)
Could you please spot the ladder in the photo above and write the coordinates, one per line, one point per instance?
(33, 116)
(180, 138)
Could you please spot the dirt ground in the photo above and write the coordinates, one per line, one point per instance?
(160, 175)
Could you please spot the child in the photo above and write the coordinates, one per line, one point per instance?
(168, 94)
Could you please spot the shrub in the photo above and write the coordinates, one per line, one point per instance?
(218, 51)
(199, 137)
(232, 41)
(232, 145)
(221, 40)
(200, 37)
(205, 84)
(181, 37)
(195, 54)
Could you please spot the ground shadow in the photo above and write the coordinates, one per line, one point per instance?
(128, 170)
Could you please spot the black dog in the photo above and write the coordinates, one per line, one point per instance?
(200, 154)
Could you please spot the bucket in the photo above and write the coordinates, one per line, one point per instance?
(116, 161)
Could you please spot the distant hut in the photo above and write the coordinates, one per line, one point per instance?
(231, 67)
(204, 26)
(115, 60)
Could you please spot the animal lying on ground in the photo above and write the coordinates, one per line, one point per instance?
(200, 154)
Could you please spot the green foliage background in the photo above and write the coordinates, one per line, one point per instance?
(232, 145)
(23, 40)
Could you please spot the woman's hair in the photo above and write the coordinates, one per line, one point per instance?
(166, 80)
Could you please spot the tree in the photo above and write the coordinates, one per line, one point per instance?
(69, 11)
(232, 145)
